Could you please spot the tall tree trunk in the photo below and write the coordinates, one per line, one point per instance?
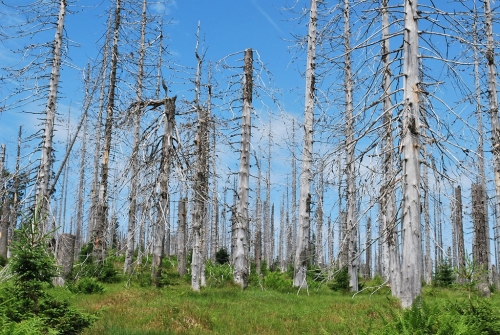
(294, 197)
(102, 204)
(214, 247)
(411, 266)
(301, 260)
(94, 192)
(181, 238)
(350, 147)
(163, 217)
(242, 257)
(4, 218)
(201, 184)
(480, 251)
(64, 258)
(368, 265)
(319, 217)
(493, 99)
(459, 229)
(427, 222)
(134, 159)
(42, 197)
(258, 218)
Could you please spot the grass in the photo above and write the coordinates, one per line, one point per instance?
(226, 309)
(229, 310)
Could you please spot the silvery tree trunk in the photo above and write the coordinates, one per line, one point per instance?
(368, 265)
(134, 159)
(352, 226)
(163, 214)
(4, 218)
(281, 261)
(101, 222)
(242, 257)
(42, 197)
(258, 219)
(319, 216)
(389, 207)
(301, 260)
(493, 99)
(481, 253)
(64, 258)
(427, 222)
(214, 239)
(459, 229)
(411, 265)
(291, 252)
(181, 238)
(201, 185)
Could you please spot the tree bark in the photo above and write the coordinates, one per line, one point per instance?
(4, 218)
(64, 258)
(163, 216)
(181, 238)
(42, 196)
(101, 223)
(301, 260)
(242, 257)
(411, 266)
(459, 229)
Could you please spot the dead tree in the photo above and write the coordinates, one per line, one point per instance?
(242, 247)
(301, 260)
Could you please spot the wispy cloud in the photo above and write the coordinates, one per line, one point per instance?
(164, 7)
(268, 18)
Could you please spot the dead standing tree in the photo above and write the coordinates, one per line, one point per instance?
(242, 248)
(301, 259)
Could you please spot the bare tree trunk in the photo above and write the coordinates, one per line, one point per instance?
(181, 238)
(319, 217)
(163, 217)
(281, 260)
(493, 99)
(411, 266)
(481, 253)
(4, 218)
(64, 259)
(459, 228)
(267, 207)
(258, 219)
(368, 265)
(242, 257)
(350, 147)
(214, 248)
(427, 222)
(300, 266)
(294, 197)
(42, 197)
(15, 197)
(102, 204)
(201, 184)
(94, 192)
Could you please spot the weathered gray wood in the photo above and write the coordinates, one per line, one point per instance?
(64, 258)
(301, 260)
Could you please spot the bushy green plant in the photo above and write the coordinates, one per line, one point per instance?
(278, 281)
(86, 285)
(222, 256)
(218, 274)
(27, 302)
(471, 316)
(341, 280)
(445, 275)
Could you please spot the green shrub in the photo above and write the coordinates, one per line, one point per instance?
(445, 275)
(26, 308)
(278, 281)
(86, 285)
(222, 256)
(341, 280)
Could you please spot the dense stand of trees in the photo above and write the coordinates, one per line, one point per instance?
(399, 97)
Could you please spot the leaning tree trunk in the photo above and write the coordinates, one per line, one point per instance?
(411, 265)
(301, 260)
(164, 201)
(101, 223)
(42, 197)
(352, 226)
(242, 256)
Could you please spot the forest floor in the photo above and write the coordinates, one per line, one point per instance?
(127, 308)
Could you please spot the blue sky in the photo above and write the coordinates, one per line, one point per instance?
(227, 27)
